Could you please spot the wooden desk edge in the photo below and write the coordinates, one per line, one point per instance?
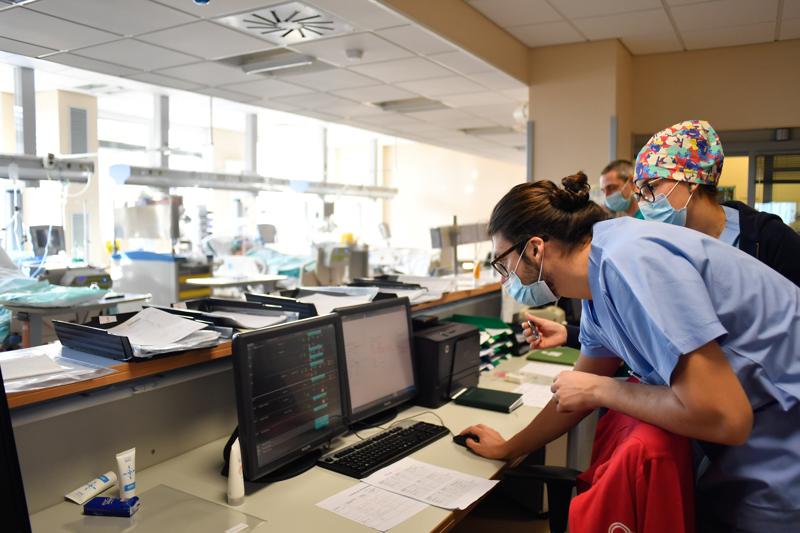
(131, 371)
(124, 372)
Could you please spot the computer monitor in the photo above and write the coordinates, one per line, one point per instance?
(40, 236)
(13, 507)
(288, 394)
(378, 347)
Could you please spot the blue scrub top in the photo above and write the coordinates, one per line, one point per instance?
(730, 233)
(660, 291)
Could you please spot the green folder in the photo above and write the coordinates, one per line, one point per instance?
(493, 400)
(562, 355)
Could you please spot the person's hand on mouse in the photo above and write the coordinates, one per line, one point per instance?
(491, 445)
(551, 334)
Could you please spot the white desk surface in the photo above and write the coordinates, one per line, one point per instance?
(219, 282)
(290, 505)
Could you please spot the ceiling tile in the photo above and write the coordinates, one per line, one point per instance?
(389, 119)
(164, 81)
(228, 95)
(547, 34)
(91, 64)
(216, 8)
(475, 99)
(278, 106)
(500, 112)
(24, 49)
(441, 86)
(790, 29)
(724, 13)
(333, 50)
(313, 100)
(350, 109)
(507, 13)
(521, 94)
(498, 80)
(366, 15)
(416, 39)
(378, 93)
(718, 37)
(319, 115)
(633, 23)
(135, 54)
(207, 40)
(267, 88)
(440, 115)
(36, 28)
(461, 62)
(592, 8)
(331, 80)
(411, 69)
(207, 73)
(119, 16)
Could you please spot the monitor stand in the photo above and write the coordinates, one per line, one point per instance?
(295, 468)
(375, 420)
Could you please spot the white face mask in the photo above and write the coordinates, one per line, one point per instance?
(537, 294)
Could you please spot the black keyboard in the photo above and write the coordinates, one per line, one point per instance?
(363, 458)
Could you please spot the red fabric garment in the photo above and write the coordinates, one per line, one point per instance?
(641, 480)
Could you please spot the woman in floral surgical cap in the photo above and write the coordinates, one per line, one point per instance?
(675, 181)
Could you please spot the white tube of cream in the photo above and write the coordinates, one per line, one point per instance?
(92, 489)
(235, 476)
(126, 470)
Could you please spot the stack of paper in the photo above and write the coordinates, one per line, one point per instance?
(247, 320)
(401, 490)
(537, 372)
(46, 366)
(372, 507)
(152, 331)
(535, 394)
(326, 303)
(433, 485)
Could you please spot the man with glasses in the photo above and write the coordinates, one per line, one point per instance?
(675, 181)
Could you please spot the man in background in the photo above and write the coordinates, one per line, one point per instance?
(616, 182)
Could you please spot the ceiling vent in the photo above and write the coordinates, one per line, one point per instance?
(411, 105)
(288, 23)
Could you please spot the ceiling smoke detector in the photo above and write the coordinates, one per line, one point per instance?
(288, 23)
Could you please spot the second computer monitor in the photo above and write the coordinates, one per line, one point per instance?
(379, 355)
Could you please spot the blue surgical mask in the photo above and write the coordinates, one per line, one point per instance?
(536, 294)
(618, 203)
(660, 210)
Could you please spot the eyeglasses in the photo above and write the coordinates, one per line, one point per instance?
(644, 190)
(499, 267)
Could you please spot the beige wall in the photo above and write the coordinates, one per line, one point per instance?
(575, 90)
(8, 134)
(743, 87)
(228, 151)
(435, 184)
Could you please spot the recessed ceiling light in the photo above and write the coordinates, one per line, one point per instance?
(277, 63)
(411, 105)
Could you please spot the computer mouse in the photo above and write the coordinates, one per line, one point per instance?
(461, 440)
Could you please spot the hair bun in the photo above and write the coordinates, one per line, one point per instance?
(575, 194)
